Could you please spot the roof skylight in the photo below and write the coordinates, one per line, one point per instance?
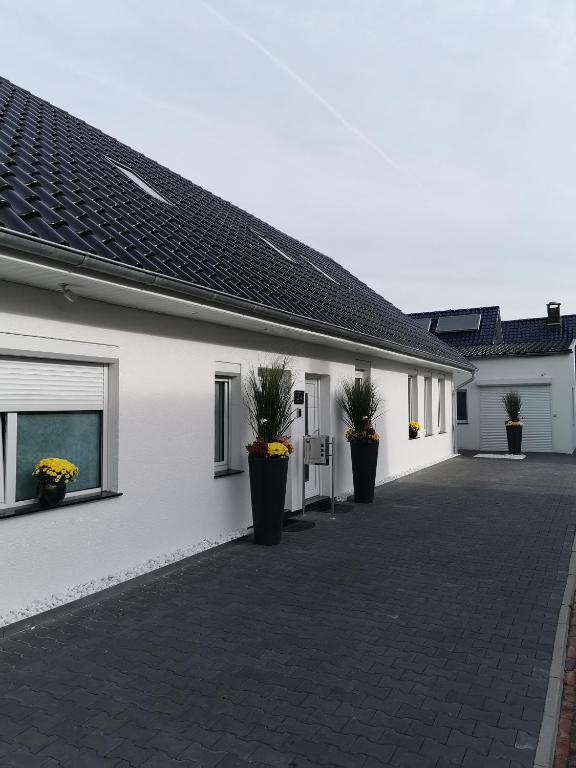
(139, 181)
(274, 247)
(423, 322)
(453, 323)
(320, 270)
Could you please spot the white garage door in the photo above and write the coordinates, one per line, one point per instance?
(536, 415)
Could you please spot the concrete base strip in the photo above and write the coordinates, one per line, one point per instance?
(509, 456)
(546, 748)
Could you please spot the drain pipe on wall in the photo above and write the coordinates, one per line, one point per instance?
(454, 409)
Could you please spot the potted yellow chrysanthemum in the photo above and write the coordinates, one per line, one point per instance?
(53, 476)
(269, 401)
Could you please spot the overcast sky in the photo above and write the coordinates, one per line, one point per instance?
(427, 145)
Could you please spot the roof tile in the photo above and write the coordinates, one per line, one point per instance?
(58, 183)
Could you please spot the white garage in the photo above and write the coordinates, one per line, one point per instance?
(536, 415)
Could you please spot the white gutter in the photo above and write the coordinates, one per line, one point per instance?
(155, 285)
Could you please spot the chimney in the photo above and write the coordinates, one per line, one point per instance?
(553, 317)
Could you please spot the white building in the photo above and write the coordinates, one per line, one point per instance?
(132, 305)
(533, 356)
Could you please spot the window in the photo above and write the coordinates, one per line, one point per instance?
(68, 434)
(462, 406)
(441, 405)
(456, 323)
(221, 424)
(412, 399)
(428, 405)
(362, 370)
(139, 181)
(50, 408)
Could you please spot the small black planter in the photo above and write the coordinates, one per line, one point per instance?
(51, 494)
(514, 435)
(267, 490)
(412, 433)
(364, 461)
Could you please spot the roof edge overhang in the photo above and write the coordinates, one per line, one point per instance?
(567, 351)
(45, 253)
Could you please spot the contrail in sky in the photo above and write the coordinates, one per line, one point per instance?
(305, 85)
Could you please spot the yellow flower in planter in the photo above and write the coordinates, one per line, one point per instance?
(54, 470)
(415, 425)
(278, 449)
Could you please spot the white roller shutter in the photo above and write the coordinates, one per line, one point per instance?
(536, 415)
(48, 385)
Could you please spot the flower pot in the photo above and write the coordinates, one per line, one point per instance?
(514, 435)
(412, 433)
(267, 491)
(51, 494)
(364, 461)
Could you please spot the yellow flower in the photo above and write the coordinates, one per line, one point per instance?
(277, 449)
(415, 425)
(59, 470)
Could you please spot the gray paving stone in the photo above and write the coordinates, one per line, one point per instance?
(414, 632)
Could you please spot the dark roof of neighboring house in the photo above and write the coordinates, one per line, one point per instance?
(58, 183)
(487, 333)
(516, 348)
(536, 329)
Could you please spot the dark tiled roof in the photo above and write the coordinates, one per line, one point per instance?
(487, 333)
(536, 329)
(516, 348)
(57, 183)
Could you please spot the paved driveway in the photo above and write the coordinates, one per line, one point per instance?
(414, 632)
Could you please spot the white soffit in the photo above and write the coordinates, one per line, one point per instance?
(17, 270)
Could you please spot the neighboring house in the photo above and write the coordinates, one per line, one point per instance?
(132, 305)
(534, 356)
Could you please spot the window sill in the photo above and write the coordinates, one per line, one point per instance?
(227, 472)
(26, 509)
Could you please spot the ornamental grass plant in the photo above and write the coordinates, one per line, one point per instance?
(360, 402)
(512, 403)
(268, 397)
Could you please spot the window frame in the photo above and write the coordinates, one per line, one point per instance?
(463, 392)
(8, 488)
(8, 446)
(441, 406)
(428, 414)
(412, 397)
(224, 465)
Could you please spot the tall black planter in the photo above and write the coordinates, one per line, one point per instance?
(267, 490)
(514, 435)
(364, 461)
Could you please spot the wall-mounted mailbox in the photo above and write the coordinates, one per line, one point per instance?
(298, 397)
(317, 449)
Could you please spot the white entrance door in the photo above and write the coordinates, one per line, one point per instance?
(536, 415)
(312, 427)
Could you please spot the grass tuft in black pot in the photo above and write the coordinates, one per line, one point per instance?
(268, 397)
(512, 403)
(360, 401)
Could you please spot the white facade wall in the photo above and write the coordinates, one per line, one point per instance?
(165, 435)
(516, 371)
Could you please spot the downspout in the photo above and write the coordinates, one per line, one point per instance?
(454, 409)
